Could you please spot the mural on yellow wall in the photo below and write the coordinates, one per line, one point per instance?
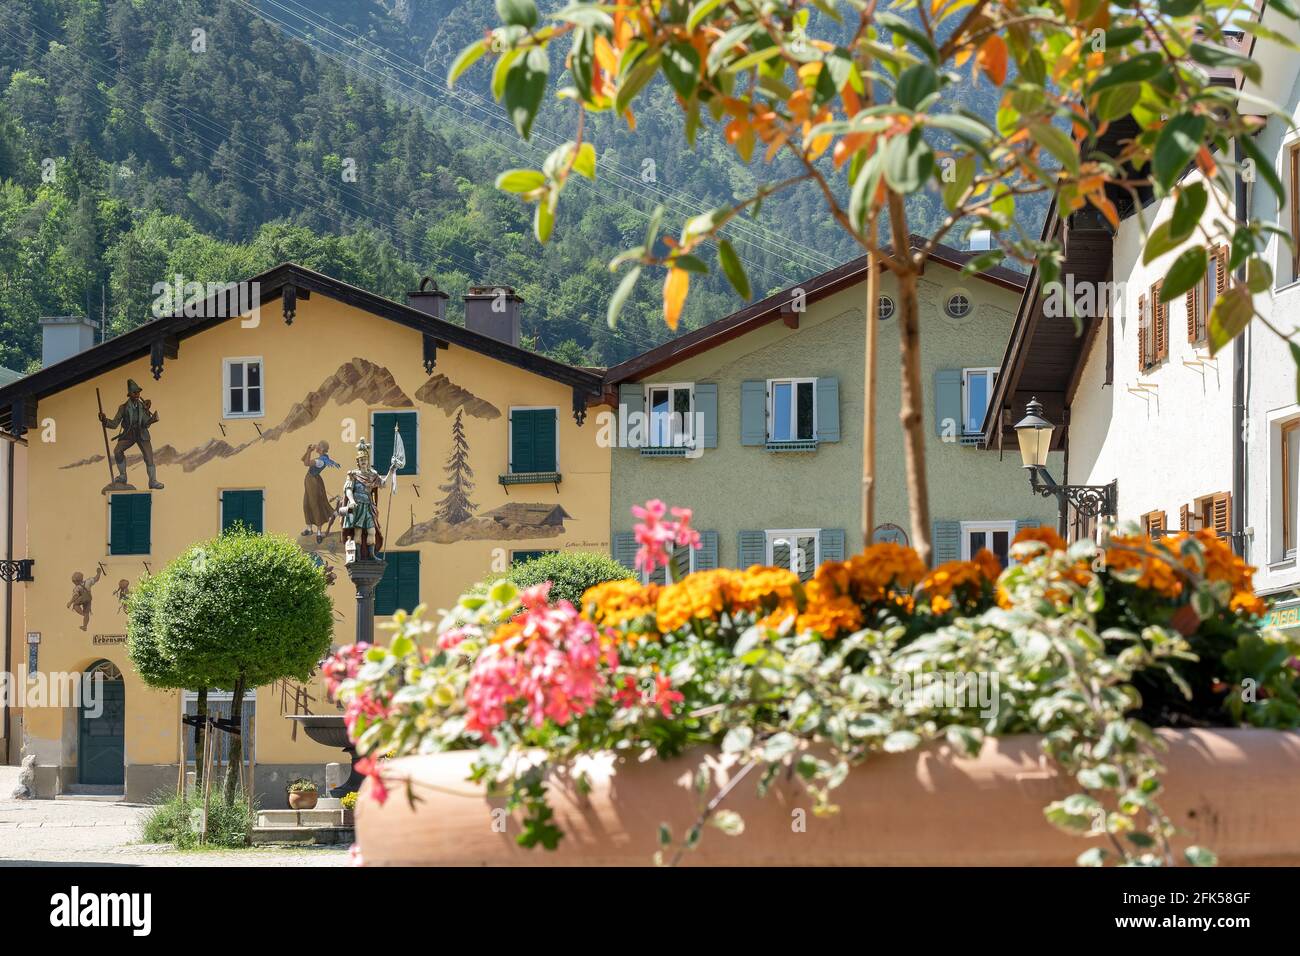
(81, 597)
(133, 417)
(317, 511)
(443, 393)
(123, 594)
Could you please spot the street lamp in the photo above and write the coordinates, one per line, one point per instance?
(1034, 433)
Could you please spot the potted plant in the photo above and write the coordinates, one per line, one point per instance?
(349, 802)
(302, 794)
(881, 712)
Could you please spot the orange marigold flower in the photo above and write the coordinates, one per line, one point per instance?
(1044, 534)
(704, 594)
(759, 585)
(988, 563)
(613, 603)
(881, 567)
(828, 612)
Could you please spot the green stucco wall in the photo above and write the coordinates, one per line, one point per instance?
(734, 487)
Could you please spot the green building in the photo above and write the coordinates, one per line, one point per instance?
(755, 422)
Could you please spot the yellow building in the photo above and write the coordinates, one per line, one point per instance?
(258, 418)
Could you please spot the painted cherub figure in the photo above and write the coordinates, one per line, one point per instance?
(123, 594)
(81, 597)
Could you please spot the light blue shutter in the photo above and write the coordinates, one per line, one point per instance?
(753, 413)
(832, 544)
(706, 557)
(623, 549)
(946, 541)
(751, 548)
(706, 411)
(631, 403)
(828, 409)
(1023, 523)
(947, 401)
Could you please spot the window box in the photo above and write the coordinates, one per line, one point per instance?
(243, 387)
(531, 478)
(670, 451)
(800, 445)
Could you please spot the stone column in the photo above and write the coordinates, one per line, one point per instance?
(365, 574)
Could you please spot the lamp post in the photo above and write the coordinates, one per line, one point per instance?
(1034, 433)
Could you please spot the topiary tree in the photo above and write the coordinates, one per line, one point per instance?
(238, 611)
(570, 573)
(859, 100)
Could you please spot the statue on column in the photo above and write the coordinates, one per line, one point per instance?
(360, 508)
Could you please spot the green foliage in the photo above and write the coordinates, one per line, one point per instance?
(243, 607)
(349, 800)
(176, 820)
(571, 573)
(302, 785)
(154, 667)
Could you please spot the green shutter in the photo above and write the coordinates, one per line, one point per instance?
(241, 507)
(947, 402)
(828, 409)
(400, 585)
(753, 413)
(544, 440)
(946, 541)
(832, 544)
(521, 442)
(623, 549)
(706, 413)
(751, 548)
(129, 524)
(706, 558)
(382, 424)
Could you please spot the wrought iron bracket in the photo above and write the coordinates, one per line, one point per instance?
(1092, 501)
(17, 571)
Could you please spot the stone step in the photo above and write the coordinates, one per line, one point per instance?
(301, 818)
(94, 793)
(320, 836)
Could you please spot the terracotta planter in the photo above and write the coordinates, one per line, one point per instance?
(1233, 791)
(303, 800)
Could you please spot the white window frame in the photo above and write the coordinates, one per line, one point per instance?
(689, 438)
(220, 697)
(1279, 559)
(510, 435)
(394, 411)
(772, 383)
(967, 527)
(690, 565)
(966, 373)
(790, 536)
(244, 360)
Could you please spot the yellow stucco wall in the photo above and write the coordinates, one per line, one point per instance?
(67, 528)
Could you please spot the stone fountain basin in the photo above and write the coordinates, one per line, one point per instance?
(326, 729)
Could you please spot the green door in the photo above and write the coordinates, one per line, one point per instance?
(102, 730)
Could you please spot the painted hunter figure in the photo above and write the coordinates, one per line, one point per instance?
(134, 416)
(361, 503)
(317, 512)
(81, 597)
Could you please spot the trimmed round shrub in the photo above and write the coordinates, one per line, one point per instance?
(570, 573)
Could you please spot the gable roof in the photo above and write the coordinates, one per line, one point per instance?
(162, 337)
(778, 305)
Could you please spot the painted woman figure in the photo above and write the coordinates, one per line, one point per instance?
(316, 508)
(361, 502)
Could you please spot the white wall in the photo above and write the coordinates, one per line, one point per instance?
(1165, 434)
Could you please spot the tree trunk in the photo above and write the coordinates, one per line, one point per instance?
(200, 731)
(236, 758)
(869, 397)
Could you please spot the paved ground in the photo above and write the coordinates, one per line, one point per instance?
(33, 832)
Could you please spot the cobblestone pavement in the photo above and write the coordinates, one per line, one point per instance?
(89, 833)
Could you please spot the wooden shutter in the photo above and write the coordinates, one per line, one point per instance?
(1184, 518)
(521, 441)
(706, 413)
(382, 424)
(1142, 333)
(832, 544)
(631, 407)
(400, 585)
(751, 548)
(241, 507)
(753, 413)
(1293, 157)
(946, 540)
(828, 409)
(706, 558)
(622, 548)
(544, 427)
(947, 402)
(1220, 271)
(1221, 513)
(1192, 318)
(1154, 522)
(1160, 316)
(130, 518)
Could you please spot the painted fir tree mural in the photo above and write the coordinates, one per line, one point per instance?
(457, 507)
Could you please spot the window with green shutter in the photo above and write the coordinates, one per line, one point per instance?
(400, 585)
(382, 425)
(519, 557)
(532, 441)
(129, 519)
(241, 507)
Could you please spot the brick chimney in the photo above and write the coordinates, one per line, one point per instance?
(494, 311)
(63, 336)
(429, 299)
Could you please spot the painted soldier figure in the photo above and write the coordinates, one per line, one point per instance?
(360, 507)
(134, 416)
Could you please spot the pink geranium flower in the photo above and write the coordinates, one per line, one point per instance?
(658, 535)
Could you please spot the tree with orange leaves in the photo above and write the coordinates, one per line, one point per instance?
(873, 110)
